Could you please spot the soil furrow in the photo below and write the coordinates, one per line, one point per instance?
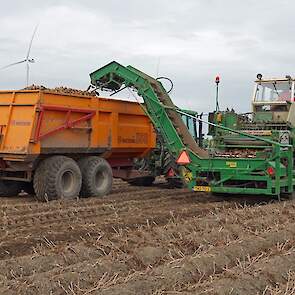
(193, 269)
(145, 240)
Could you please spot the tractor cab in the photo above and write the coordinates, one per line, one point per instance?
(273, 100)
(272, 116)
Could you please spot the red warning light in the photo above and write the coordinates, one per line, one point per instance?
(271, 171)
(183, 158)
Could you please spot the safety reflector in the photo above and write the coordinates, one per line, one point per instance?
(183, 158)
(171, 173)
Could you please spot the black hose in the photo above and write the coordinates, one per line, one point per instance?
(168, 79)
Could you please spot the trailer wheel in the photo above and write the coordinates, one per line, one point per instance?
(10, 188)
(57, 177)
(97, 177)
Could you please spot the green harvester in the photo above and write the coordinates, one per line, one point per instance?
(248, 153)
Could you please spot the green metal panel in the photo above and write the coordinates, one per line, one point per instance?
(263, 117)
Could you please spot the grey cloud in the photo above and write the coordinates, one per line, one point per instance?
(194, 40)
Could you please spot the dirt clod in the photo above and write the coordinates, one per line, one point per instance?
(149, 255)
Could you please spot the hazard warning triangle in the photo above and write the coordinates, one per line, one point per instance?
(171, 173)
(183, 158)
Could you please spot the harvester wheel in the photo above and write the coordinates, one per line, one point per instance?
(174, 181)
(291, 196)
(10, 188)
(142, 181)
(57, 177)
(97, 177)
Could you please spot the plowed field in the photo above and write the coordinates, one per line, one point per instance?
(151, 240)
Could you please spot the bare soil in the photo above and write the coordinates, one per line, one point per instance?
(148, 240)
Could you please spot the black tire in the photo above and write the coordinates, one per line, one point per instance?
(97, 177)
(57, 177)
(142, 181)
(290, 196)
(175, 182)
(169, 163)
(10, 188)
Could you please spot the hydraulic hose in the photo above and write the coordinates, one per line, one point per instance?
(168, 79)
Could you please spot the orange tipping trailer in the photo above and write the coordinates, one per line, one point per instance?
(43, 133)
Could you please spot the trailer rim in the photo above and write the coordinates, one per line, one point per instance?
(67, 181)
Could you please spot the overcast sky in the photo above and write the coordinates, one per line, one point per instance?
(190, 41)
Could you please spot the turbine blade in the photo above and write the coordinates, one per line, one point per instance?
(13, 64)
(31, 41)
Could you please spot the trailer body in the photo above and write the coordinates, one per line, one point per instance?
(36, 124)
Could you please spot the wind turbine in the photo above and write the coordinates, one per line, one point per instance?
(27, 60)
